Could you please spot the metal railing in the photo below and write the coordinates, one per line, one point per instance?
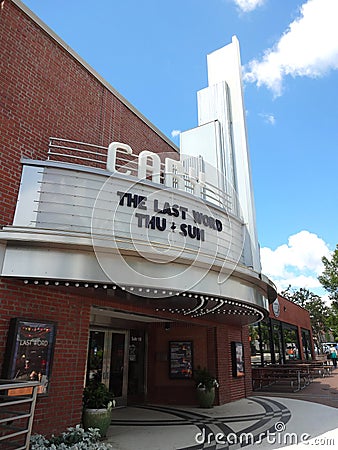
(92, 155)
(17, 406)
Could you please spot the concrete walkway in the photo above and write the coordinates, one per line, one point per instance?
(265, 420)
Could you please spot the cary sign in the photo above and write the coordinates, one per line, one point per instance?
(149, 167)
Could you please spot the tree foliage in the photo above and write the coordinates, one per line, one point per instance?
(329, 278)
(322, 317)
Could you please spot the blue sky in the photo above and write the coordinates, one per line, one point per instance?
(154, 54)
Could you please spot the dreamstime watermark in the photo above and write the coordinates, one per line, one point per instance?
(278, 436)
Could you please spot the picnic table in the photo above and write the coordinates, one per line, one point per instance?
(297, 373)
(297, 377)
(316, 368)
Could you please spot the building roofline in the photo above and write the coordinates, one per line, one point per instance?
(92, 71)
(280, 296)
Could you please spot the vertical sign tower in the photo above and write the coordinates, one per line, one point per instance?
(221, 140)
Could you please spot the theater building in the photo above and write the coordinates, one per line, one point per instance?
(121, 255)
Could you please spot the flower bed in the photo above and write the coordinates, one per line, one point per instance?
(75, 438)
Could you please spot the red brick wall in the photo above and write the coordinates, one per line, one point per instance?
(160, 387)
(63, 406)
(232, 388)
(45, 92)
(212, 361)
(212, 349)
(247, 361)
(292, 313)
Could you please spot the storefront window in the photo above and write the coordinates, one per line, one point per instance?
(254, 334)
(277, 342)
(291, 343)
(265, 340)
(306, 342)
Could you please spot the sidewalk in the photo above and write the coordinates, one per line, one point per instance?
(263, 421)
(321, 390)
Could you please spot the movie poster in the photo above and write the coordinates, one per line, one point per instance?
(237, 356)
(180, 359)
(29, 352)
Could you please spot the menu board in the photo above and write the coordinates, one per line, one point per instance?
(180, 359)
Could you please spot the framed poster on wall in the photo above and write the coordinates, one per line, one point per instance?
(180, 359)
(29, 351)
(237, 358)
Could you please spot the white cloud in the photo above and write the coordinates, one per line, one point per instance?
(297, 263)
(268, 118)
(175, 133)
(309, 47)
(249, 5)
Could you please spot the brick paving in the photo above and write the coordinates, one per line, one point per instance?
(320, 390)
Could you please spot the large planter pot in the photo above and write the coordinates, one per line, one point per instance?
(206, 397)
(97, 418)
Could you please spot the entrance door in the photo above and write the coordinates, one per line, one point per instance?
(108, 361)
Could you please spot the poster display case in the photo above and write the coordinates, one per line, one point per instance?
(29, 351)
(180, 359)
(237, 357)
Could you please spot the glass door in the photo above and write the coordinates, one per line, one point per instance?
(136, 370)
(108, 361)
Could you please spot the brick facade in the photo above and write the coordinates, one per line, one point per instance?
(63, 405)
(44, 93)
(291, 313)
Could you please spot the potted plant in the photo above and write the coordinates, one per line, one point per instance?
(205, 386)
(98, 403)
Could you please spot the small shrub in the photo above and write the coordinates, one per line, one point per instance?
(75, 438)
(204, 379)
(96, 395)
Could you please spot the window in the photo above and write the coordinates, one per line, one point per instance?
(291, 343)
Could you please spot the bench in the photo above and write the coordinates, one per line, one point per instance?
(316, 368)
(297, 378)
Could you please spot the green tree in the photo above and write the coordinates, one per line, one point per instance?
(333, 322)
(329, 278)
